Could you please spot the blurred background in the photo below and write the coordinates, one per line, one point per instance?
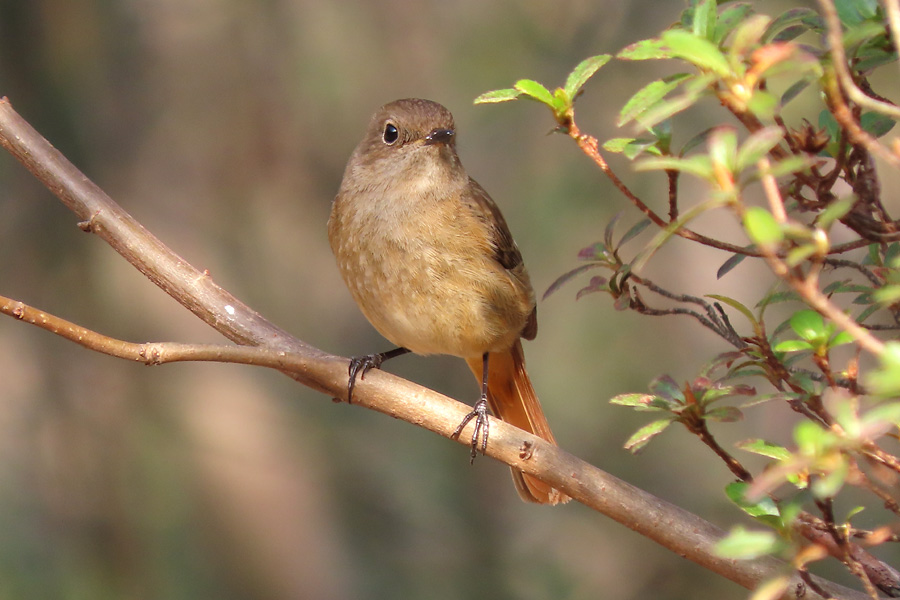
(224, 127)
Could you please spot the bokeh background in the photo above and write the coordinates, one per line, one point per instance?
(224, 127)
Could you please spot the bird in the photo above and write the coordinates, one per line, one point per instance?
(431, 263)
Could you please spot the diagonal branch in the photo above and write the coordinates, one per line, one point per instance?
(678, 530)
(668, 525)
(100, 215)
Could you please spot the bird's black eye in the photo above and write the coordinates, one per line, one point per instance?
(390, 134)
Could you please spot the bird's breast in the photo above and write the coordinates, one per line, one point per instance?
(423, 274)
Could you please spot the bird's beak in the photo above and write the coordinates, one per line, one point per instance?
(439, 136)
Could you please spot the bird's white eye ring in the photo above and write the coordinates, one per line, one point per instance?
(390, 135)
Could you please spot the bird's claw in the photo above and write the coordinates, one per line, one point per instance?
(360, 365)
(479, 412)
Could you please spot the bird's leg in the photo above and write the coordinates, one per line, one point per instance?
(480, 414)
(360, 365)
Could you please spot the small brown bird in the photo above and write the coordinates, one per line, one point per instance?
(431, 263)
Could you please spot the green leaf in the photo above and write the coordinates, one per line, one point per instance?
(853, 12)
(842, 338)
(797, 255)
(667, 387)
(828, 122)
(875, 54)
(729, 264)
(609, 229)
(584, 71)
(865, 33)
(812, 440)
(789, 34)
(723, 147)
(635, 230)
(561, 101)
(867, 313)
(776, 297)
(758, 145)
(567, 276)
(535, 90)
(735, 305)
(646, 433)
(887, 295)
(729, 18)
(876, 124)
(885, 382)
(792, 346)
(764, 507)
(642, 401)
(747, 35)
(764, 448)
(698, 51)
(809, 325)
(742, 544)
(762, 104)
(806, 17)
(651, 49)
(853, 512)
(649, 95)
(497, 96)
(762, 227)
(634, 147)
(617, 145)
(704, 21)
(597, 284)
(665, 109)
(695, 141)
(835, 211)
(793, 91)
(829, 485)
(698, 165)
(597, 251)
(725, 414)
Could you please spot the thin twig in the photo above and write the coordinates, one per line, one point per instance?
(715, 319)
(841, 81)
(810, 292)
(849, 264)
(672, 176)
(589, 146)
(839, 59)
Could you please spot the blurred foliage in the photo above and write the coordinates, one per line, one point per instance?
(825, 231)
(224, 127)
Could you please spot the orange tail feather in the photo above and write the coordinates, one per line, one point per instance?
(512, 399)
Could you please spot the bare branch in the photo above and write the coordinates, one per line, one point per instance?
(99, 215)
(674, 528)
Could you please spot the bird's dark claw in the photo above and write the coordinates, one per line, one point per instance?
(360, 365)
(482, 426)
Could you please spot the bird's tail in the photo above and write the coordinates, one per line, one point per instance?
(512, 399)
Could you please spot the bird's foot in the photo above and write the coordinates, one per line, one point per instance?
(360, 365)
(482, 426)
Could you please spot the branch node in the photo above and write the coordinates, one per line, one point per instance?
(526, 451)
(19, 310)
(89, 226)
